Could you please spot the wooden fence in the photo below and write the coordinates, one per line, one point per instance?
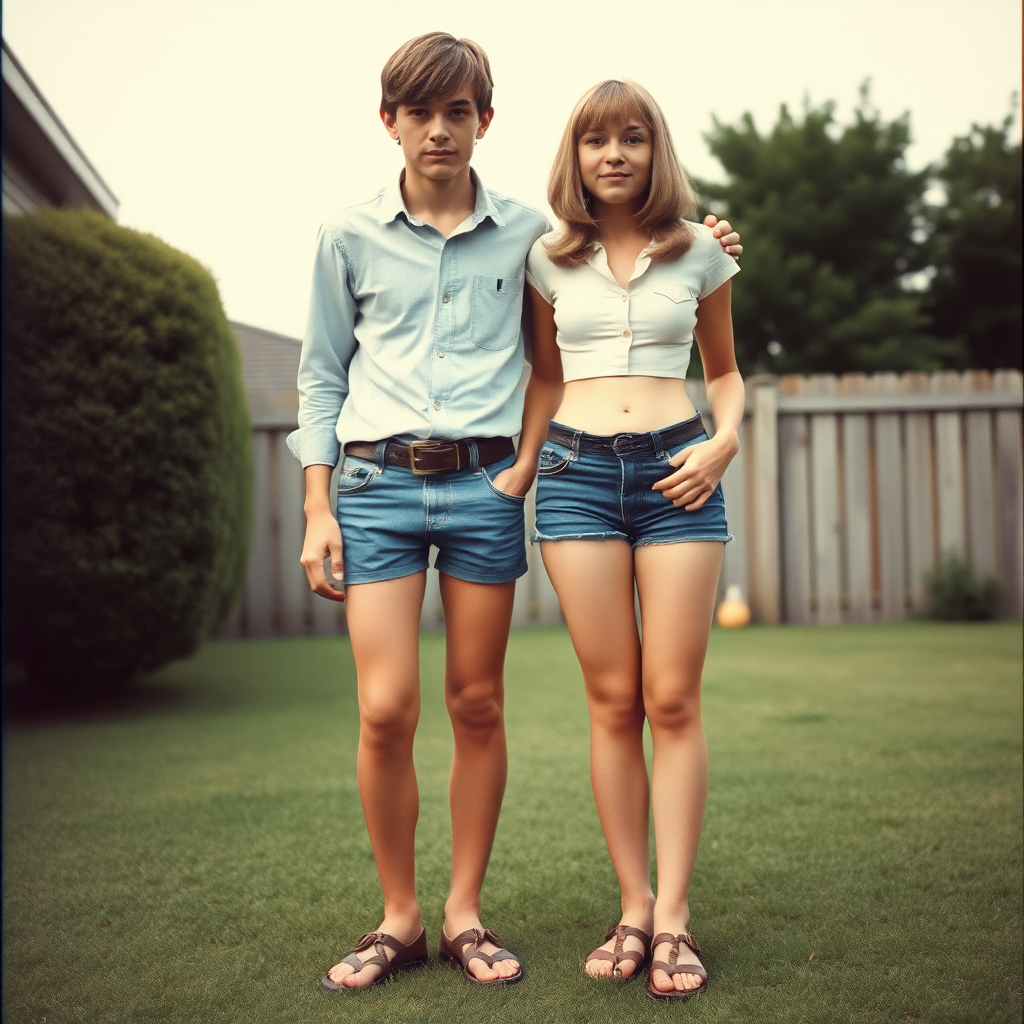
(844, 493)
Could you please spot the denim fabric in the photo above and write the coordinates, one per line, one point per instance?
(411, 334)
(389, 517)
(582, 495)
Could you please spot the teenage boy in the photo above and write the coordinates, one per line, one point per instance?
(410, 365)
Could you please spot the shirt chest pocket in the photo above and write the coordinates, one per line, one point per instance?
(677, 295)
(496, 312)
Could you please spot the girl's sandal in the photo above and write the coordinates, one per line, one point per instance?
(672, 967)
(464, 947)
(635, 956)
(413, 955)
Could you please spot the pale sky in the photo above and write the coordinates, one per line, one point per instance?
(233, 128)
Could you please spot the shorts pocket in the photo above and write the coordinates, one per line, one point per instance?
(356, 475)
(512, 499)
(554, 458)
(496, 312)
(676, 449)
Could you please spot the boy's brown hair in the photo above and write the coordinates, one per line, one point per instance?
(432, 67)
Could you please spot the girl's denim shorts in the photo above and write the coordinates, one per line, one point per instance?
(598, 487)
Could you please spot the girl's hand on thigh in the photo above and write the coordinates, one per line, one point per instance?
(702, 466)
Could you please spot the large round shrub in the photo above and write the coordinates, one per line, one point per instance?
(128, 467)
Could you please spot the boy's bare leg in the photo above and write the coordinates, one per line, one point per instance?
(383, 622)
(477, 618)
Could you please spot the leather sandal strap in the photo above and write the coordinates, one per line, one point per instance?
(686, 938)
(380, 960)
(672, 969)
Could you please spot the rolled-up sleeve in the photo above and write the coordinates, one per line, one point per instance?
(327, 350)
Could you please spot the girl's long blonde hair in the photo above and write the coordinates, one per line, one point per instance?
(670, 198)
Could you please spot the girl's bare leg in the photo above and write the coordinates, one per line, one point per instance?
(594, 582)
(477, 618)
(677, 584)
(383, 621)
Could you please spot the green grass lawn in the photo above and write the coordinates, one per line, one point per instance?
(200, 855)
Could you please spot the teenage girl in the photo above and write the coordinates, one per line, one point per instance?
(628, 493)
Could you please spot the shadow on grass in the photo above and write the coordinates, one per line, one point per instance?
(26, 705)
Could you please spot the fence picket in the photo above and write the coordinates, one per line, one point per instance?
(920, 492)
(1010, 542)
(949, 470)
(891, 520)
(857, 504)
(825, 505)
(794, 439)
(761, 518)
(981, 496)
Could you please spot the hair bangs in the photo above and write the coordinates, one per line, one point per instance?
(611, 103)
(434, 67)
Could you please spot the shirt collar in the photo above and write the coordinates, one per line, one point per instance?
(392, 203)
(598, 259)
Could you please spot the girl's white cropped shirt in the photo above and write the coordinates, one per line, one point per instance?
(644, 329)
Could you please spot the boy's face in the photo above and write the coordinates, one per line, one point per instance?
(438, 136)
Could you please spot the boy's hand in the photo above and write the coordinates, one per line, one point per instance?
(723, 231)
(517, 479)
(323, 540)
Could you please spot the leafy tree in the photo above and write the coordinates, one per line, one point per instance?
(829, 215)
(128, 467)
(976, 247)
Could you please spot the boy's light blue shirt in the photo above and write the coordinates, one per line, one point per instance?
(411, 334)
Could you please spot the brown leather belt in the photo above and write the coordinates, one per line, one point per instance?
(427, 457)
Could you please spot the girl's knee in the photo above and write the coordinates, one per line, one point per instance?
(474, 706)
(387, 722)
(672, 705)
(616, 704)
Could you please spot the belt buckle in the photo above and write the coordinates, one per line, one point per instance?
(432, 447)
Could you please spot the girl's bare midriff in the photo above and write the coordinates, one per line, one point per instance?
(616, 405)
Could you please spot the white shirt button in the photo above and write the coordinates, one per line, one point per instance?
(437, 405)
(446, 297)
(440, 353)
(625, 334)
(624, 296)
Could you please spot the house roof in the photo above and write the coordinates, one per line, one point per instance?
(38, 144)
(270, 361)
(270, 364)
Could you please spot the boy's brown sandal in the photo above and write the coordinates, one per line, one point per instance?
(672, 967)
(413, 955)
(464, 947)
(635, 956)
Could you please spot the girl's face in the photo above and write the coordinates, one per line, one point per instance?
(615, 163)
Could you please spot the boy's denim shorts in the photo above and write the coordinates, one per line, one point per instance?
(390, 517)
(597, 487)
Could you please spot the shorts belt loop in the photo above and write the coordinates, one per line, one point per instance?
(379, 457)
(474, 456)
(577, 434)
(659, 448)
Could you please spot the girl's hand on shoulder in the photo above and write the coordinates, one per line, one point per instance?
(701, 467)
